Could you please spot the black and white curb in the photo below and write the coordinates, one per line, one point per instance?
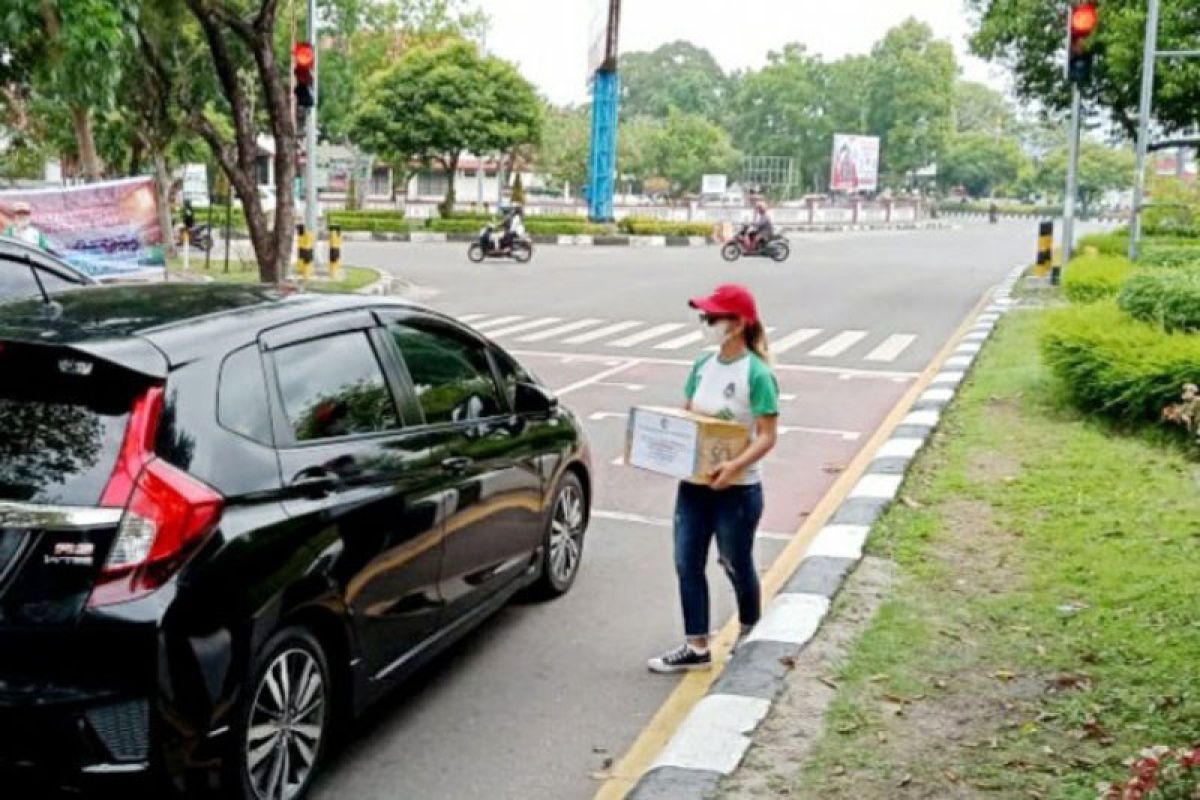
(714, 737)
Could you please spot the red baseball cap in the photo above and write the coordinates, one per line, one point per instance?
(731, 299)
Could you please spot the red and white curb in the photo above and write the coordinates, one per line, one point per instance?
(714, 737)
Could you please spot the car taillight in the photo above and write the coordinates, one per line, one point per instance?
(167, 512)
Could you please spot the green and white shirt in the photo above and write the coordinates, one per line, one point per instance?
(740, 390)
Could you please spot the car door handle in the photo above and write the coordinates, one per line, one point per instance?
(315, 482)
(457, 465)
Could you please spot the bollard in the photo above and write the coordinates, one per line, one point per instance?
(304, 252)
(335, 252)
(1045, 251)
(187, 241)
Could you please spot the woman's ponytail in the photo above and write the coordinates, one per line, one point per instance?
(756, 340)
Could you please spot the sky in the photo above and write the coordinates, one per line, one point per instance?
(548, 38)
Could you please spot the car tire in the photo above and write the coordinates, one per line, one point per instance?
(562, 544)
(285, 721)
(475, 253)
(732, 251)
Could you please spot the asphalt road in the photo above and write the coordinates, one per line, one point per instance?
(533, 704)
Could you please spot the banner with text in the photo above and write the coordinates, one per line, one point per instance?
(108, 230)
(855, 163)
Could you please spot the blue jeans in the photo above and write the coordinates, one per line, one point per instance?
(732, 515)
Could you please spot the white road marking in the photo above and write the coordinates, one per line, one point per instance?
(599, 415)
(838, 344)
(645, 336)
(523, 326)
(607, 330)
(608, 373)
(787, 398)
(497, 322)
(793, 340)
(844, 373)
(791, 618)
(469, 318)
(715, 734)
(892, 347)
(680, 342)
(560, 330)
(849, 436)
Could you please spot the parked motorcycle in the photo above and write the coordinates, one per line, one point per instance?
(199, 236)
(776, 248)
(488, 245)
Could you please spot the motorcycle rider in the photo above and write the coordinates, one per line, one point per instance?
(513, 226)
(762, 229)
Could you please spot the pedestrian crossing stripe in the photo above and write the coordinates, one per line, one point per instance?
(816, 343)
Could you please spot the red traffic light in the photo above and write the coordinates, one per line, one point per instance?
(304, 56)
(1084, 19)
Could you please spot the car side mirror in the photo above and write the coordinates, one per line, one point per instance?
(533, 398)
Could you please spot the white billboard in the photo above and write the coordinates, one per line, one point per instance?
(855, 163)
(714, 184)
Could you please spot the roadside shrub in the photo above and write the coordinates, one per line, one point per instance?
(1114, 365)
(374, 221)
(648, 226)
(535, 226)
(1166, 297)
(1089, 278)
(1113, 243)
(1157, 254)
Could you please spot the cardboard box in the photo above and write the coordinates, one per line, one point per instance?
(678, 443)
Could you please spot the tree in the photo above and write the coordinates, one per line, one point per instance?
(911, 97)
(440, 101)
(677, 75)
(563, 153)
(70, 52)
(980, 162)
(782, 110)
(686, 147)
(1029, 37)
(1101, 169)
(251, 90)
(981, 109)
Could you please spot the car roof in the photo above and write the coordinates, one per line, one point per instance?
(184, 321)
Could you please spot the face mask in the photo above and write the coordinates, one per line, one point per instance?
(717, 333)
(22, 223)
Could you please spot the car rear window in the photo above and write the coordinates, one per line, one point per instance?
(62, 421)
(334, 387)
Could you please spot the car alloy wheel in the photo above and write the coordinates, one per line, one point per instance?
(286, 726)
(566, 533)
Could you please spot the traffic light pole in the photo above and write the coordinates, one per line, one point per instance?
(1068, 233)
(1149, 57)
(310, 134)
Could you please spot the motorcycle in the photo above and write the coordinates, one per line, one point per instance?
(776, 248)
(489, 246)
(199, 236)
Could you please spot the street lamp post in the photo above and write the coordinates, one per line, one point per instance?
(310, 134)
(1149, 55)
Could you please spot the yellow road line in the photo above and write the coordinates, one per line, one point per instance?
(693, 686)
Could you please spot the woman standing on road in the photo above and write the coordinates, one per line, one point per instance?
(735, 383)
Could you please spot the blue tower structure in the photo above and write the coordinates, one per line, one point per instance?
(602, 163)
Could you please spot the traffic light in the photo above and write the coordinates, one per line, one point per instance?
(1085, 18)
(304, 59)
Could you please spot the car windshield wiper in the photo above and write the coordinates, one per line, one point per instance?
(51, 310)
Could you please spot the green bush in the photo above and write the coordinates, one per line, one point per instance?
(1114, 243)
(1175, 254)
(374, 213)
(372, 221)
(1089, 278)
(535, 226)
(648, 226)
(1170, 298)
(1117, 366)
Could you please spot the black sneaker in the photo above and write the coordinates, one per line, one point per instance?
(681, 659)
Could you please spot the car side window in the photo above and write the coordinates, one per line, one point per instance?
(334, 386)
(511, 373)
(242, 396)
(451, 374)
(16, 280)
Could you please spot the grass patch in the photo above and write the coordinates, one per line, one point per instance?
(353, 278)
(1043, 628)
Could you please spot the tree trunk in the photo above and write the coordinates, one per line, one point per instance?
(81, 120)
(451, 166)
(162, 183)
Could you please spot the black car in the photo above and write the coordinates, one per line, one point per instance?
(231, 519)
(26, 271)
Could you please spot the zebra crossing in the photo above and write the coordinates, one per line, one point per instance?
(816, 344)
